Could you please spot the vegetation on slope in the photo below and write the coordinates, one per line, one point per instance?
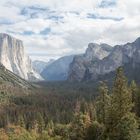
(71, 112)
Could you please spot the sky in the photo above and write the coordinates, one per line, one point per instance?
(51, 29)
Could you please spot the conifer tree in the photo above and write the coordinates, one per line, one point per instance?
(137, 102)
(121, 107)
(135, 97)
(21, 121)
(102, 103)
(40, 122)
(122, 96)
(133, 88)
(79, 126)
(50, 127)
(128, 128)
(95, 131)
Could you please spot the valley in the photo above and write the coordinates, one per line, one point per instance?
(73, 97)
(66, 110)
(69, 70)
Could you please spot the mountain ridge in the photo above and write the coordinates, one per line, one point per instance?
(14, 58)
(57, 70)
(93, 53)
(9, 78)
(119, 56)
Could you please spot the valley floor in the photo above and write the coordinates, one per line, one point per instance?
(71, 111)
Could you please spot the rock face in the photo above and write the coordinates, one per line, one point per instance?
(13, 57)
(10, 79)
(58, 70)
(120, 55)
(81, 63)
(39, 66)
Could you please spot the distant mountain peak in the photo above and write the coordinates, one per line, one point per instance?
(14, 58)
(94, 52)
(58, 69)
(137, 41)
(103, 59)
(92, 45)
(5, 35)
(102, 45)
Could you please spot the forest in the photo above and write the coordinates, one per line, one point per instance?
(71, 111)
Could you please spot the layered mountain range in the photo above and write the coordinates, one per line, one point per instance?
(39, 65)
(57, 70)
(14, 58)
(103, 59)
(98, 61)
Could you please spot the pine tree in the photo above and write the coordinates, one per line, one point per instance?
(92, 112)
(41, 123)
(79, 126)
(133, 88)
(50, 128)
(137, 102)
(95, 131)
(135, 97)
(102, 103)
(122, 96)
(128, 128)
(121, 107)
(21, 121)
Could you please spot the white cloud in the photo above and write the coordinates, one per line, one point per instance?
(69, 27)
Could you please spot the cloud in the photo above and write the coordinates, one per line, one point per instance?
(108, 3)
(104, 17)
(54, 28)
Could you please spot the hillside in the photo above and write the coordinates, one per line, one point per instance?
(12, 79)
